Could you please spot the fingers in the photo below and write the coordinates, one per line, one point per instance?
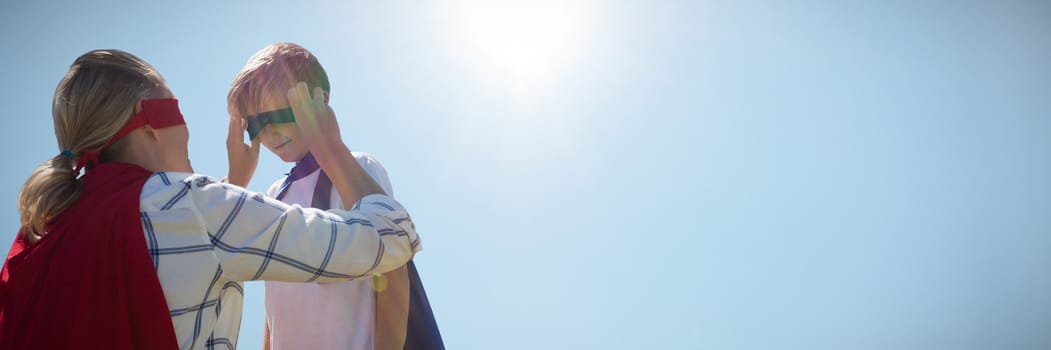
(314, 117)
(298, 96)
(319, 95)
(237, 130)
(309, 109)
(255, 145)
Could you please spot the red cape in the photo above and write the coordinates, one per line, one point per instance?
(90, 282)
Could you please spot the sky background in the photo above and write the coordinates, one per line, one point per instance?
(644, 174)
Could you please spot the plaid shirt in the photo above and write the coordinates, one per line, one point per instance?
(206, 237)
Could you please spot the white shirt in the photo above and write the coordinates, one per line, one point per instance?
(206, 237)
(322, 315)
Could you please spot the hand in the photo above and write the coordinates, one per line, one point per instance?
(316, 120)
(319, 130)
(243, 158)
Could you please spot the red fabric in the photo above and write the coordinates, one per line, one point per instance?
(90, 282)
(159, 113)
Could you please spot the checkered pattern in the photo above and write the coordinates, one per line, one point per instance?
(206, 238)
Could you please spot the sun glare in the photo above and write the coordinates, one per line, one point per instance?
(524, 42)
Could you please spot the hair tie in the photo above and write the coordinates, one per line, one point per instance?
(86, 158)
(67, 153)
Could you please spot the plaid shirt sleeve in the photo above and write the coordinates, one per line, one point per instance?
(206, 237)
(259, 238)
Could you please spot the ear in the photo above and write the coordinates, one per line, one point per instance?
(326, 97)
(152, 133)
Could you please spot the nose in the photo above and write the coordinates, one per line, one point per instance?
(269, 136)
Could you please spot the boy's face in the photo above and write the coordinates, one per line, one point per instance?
(281, 139)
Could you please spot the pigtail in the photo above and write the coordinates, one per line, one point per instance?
(52, 188)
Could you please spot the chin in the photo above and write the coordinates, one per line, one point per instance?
(287, 159)
(291, 158)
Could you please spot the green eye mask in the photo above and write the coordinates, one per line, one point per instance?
(258, 122)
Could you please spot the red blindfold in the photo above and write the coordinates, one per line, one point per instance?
(157, 113)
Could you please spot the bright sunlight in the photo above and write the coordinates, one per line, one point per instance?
(526, 43)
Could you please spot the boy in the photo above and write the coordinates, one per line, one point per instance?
(387, 312)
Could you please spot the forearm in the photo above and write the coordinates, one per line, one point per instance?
(238, 177)
(392, 310)
(350, 180)
(314, 245)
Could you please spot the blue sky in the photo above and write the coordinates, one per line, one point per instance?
(646, 174)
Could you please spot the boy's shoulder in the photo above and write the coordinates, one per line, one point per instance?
(371, 166)
(359, 155)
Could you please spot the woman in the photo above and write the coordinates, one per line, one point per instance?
(140, 253)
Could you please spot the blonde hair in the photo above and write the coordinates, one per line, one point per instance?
(271, 72)
(92, 103)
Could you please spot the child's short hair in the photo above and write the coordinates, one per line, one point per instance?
(272, 71)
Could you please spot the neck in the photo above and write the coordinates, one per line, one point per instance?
(151, 157)
(156, 165)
